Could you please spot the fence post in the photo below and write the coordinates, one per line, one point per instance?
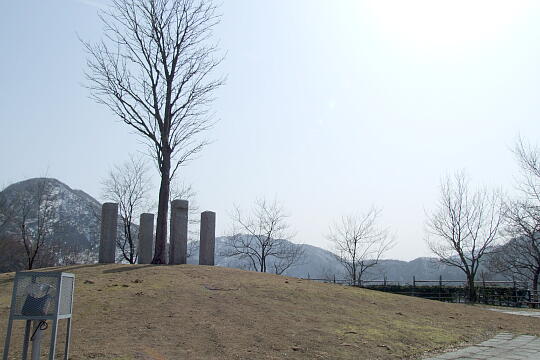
(384, 280)
(413, 285)
(334, 278)
(440, 287)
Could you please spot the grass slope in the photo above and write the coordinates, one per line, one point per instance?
(197, 312)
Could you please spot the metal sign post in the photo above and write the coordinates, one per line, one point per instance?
(40, 297)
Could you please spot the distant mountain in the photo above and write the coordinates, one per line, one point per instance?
(77, 221)
(319, 263)
(75, 214)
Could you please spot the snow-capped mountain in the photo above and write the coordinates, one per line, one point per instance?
(74, 215)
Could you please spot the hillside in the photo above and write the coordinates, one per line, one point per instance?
(195, 312)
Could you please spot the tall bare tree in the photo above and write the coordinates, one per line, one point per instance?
(154, 70)
(263, 237)
(359, 243)
(129, 186)
(464, 226)
(520, 256)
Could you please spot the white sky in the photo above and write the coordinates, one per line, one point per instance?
(330, 106)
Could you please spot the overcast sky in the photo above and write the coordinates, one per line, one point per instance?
(330, 106)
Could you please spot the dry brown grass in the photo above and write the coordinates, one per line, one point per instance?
(197, 312)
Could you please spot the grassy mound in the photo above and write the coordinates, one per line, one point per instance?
(197, 312)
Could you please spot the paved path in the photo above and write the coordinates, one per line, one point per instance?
(518, 312)
(504, 346)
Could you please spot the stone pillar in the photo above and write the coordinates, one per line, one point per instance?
(208, 238)
(109, 226)
(179, 232)
(146, 239)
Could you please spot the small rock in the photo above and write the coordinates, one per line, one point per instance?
(89, 282)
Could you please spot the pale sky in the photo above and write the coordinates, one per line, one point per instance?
(330, 106)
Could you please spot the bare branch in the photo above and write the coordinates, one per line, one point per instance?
(263, 237)
(359, 242)
(464, 227)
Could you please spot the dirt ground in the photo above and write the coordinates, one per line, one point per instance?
(198, 312)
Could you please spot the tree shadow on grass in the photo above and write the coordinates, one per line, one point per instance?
(127, 268)
(75, 267)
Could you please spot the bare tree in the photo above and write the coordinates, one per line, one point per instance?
(154, 71)
(30, 217)
(464, 226)
(129, 186)
(263, 237)
(359, 243)
(528, 158)
(520, 256)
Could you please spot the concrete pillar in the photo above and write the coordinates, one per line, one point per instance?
(179, 232)
(109, 226)
(146, 239)
(208, 238)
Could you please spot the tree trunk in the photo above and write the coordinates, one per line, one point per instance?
(130, 241)
(535, 285)
(471, 290)
(160, 256)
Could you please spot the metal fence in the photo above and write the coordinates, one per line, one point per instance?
(489, 292)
